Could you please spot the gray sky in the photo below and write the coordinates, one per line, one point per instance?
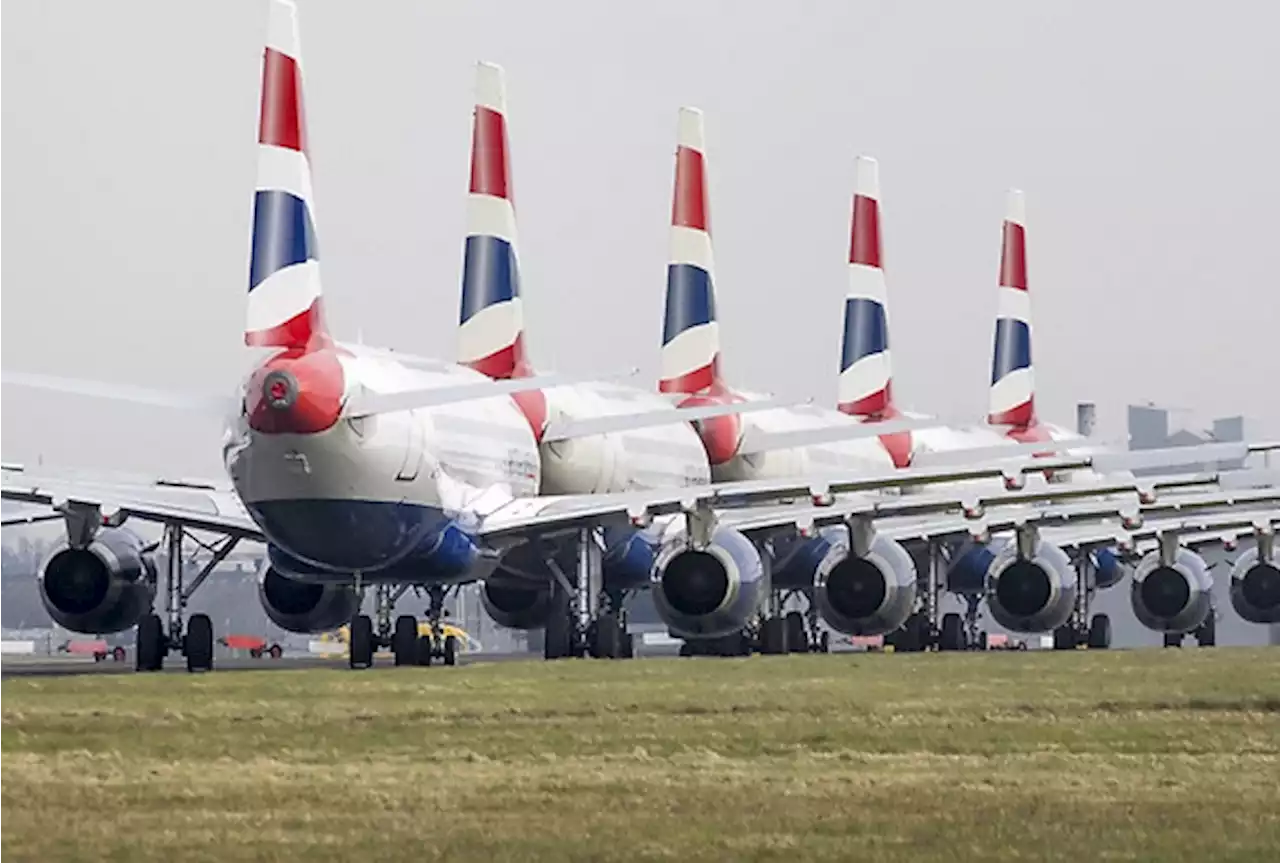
(1144, 133)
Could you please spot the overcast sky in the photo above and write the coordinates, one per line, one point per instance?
(1144, 133)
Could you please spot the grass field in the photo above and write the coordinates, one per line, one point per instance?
(1083, 756)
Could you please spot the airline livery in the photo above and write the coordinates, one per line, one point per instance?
(364, 468)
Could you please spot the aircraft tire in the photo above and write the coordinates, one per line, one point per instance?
(198, 643)
(425, 650)
(1099, 632)
(148, 652)
(797, 638)
(952, 636)
(450, 650)
(404, 640)
(1173, 639)
(360, 654)
(773, 636)
(608, 637)
(1207, 632)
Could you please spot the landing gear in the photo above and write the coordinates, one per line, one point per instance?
(155, 640)
(1099, 637)
(585, 618)
(404, 640)
(1207, 632)
(1065, 637)
(773, 635)
(952, 635)
(361, 647)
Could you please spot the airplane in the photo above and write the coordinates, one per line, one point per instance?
(783, 441)
(360, 468)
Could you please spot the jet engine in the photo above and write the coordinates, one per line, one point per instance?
(517, 604)
(1171, 590)
(305, 606)
(102, 588)
(1255, 585)
(709, 591)
(871, 593)
(1030, 585)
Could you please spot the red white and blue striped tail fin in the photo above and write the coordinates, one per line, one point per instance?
(690, 334)
(865, 370)
(1012, 374)
(285, 306)
(491, 318)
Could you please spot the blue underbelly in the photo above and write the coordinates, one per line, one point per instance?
(344, 536)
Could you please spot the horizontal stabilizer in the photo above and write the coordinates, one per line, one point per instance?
(368, 403)
(570, 429)
(218, 405)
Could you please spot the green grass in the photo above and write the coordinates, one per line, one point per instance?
(1083, 756)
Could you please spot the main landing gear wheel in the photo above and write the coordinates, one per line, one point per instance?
(1173, 639)
(1099, 632)
(450, 650)
(1207, 632)
(797, 638)
(607, 637)
(773, 636)
(559, 635)
(360, 654)
(149, 648)
(952, 636)
(404, 640)
(1064, 638)
(198, 643)
(426, 650)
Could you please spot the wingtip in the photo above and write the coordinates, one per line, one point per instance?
(491, 90)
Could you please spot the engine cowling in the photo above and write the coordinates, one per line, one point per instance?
(103, 588)
(1171, 594)
(305, 606)
(516, 604)
(1031, 592)
(709, 592)
(870, 594)
(1255, 587)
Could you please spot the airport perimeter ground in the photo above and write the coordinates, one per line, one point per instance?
(1135, 755)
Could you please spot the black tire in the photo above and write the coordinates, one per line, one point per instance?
(1099, 632)
(607, 637)
(148, 651)
(824, 642)
(797, 637)
(984, 640)
(1207, 632)
(1064, 638)
(1173, 639)
(404, 640)
(360, 654)
(686, 648)
(426, 650)
(198, 643)
(952, 637)
(773, 636)
(451, 650)
(559, 634)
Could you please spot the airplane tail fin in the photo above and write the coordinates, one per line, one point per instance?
(690, 335)
(1012, 374)
(865, 371)
(285, 307)
(491, 319)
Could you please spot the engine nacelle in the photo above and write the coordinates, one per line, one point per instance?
(103, 588)
(1255, 587)
(1109, 568)
(871, 594)
(709, 592)
(515, 604)
(1171, 594)
(305, 606)
(1031, 591)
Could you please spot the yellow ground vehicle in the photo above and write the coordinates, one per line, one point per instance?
(341, 639)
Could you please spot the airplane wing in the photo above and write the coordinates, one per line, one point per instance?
(570, 429)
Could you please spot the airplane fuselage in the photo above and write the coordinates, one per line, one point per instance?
(392, 496)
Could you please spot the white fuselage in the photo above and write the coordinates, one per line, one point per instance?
(369, 493)
(665, 456)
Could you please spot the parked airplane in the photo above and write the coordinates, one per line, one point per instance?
(359, 467)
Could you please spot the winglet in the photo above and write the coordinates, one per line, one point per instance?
(284, 306)
(866, 377)
(690, 336)
(1012, 374)
(491, 318)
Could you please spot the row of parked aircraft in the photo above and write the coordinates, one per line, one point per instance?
(361, 467)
